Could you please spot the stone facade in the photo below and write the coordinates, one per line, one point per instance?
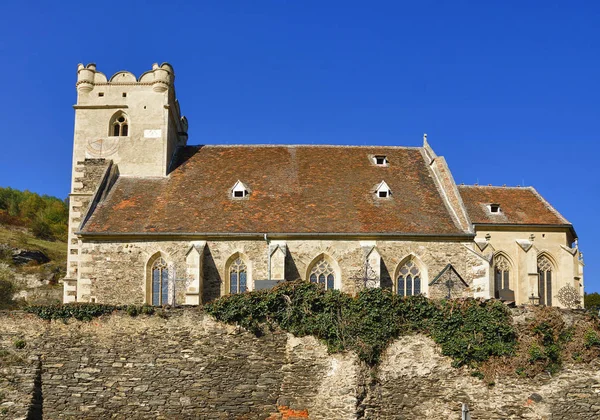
(523, 248)
(188, 366)
(112, 267)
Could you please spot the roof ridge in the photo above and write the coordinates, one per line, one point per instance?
(309, 145)
(520, 187)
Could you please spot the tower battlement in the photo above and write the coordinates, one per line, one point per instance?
(161, 77)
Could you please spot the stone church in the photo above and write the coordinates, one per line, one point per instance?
(153, 220)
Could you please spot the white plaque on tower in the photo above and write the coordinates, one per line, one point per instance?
(152, 134)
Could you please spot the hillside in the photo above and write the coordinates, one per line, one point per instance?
(33, 248)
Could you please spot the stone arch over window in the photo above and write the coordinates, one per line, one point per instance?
(158, 288)
(324, 270)
(546, 273)
(410, 278)
(238, 274)
(502, 274)
(119, 125)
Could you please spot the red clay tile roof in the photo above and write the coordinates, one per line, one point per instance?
(521, 206)
(294, 189)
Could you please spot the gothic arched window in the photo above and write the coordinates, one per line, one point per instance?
(160, 283)
(545, 280)
(501, 274)
(408, 282)
(238, 277)
(323, 273)
(119, 126)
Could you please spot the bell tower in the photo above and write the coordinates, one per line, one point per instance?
(124, 126)
(135, 122)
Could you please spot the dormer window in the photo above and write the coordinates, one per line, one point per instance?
(494, 208)
(240, 190)
(380, 160)
(383, 190)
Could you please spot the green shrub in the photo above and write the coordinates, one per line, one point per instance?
(548, 349)
(79, 311)
(19, 344)
(133, 310)
(85, 311)
(147, 310)
(536, 353)
(468, 330)
(591, 339)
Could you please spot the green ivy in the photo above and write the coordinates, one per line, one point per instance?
(468, 330)
(85, 311)
(592, 339)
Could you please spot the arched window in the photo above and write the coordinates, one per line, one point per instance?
(323, 273)
(160, 283)
(545, 280)
(501, 274)
(238, 276)
(119, 126)
(408, 282)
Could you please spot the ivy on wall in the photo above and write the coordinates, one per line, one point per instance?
(469, 331)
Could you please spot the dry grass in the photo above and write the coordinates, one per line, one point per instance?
(547, 339)
(20, 238)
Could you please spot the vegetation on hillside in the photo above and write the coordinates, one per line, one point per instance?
(46, 217)
(592, 301)
(31, 222)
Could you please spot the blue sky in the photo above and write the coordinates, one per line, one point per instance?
(506, 90)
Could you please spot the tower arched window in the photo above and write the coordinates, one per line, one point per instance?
(501, 274)
(323, 273)
(119, 126)
(160, 283)
(545, 280)
(238, 276)
(408, 282)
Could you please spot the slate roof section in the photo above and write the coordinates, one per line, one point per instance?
(519, 206)
(294, 189)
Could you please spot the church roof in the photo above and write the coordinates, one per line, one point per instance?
(292, 189)
(517, 205)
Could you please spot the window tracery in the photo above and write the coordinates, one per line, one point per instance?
(501, 274)
(408, 282)
(160, 283)
(323, 273)
(545, 269)
(238, 277)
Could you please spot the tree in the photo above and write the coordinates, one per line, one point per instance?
(592, 301)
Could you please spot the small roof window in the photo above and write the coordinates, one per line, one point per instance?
(383, 190)
(494, 208)
(380, 160)
(240, 190)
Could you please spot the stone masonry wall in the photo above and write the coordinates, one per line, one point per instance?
(416, 381)
(188, 366)
(87, 176)
(118, 271)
